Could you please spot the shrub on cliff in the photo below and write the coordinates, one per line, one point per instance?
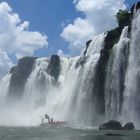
(123, 18)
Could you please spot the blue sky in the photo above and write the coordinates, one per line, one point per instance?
(130, 2)
(48, 17)
(60, 24)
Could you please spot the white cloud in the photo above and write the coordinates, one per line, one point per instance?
(61, 53)
(5, 63)
(99, 17)
(15, 36)
(76, 34)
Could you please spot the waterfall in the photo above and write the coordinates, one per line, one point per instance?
(4, 84)
(38, 84)
(86, 101)
(99, 85)
(67, 98)
(70, 88)
(131, 107)
(114, 85)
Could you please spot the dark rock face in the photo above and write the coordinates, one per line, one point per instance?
(111, 125)
(24, 68)
(20, 74)
(135, 6)
(99, 86)
(83, 59)
(112, 38)
(129, 126)
(87, 45)
(54, 67)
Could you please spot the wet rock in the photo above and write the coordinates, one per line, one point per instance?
(111, 125)
(54, 67)
(129, 126)
(136, 6)
(113, 134)
(101, 69)
(19, 76)
(83, 59)
(87, 46)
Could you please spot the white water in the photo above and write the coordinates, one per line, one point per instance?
(65, 101)
(4, 84)
(71, 99)
(115, 70)
(131, 94)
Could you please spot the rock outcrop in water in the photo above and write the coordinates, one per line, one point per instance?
(116, 125)
(111, 125)
(129, 126)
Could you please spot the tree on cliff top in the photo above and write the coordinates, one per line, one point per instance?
(123, 18)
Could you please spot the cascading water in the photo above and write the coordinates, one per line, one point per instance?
(85, 103)
(4, 84)
(131, 107)
(38, 84)
(116, 69)
(68, 89)
(69, 99)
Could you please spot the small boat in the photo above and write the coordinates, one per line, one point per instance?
(51, 123)
(54, 124)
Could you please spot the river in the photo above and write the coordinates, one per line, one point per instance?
(40, 133)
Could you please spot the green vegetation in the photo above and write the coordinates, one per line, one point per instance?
(123, 18)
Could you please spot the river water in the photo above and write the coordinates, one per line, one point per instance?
(41, 133)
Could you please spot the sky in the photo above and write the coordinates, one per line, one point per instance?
(41, 28)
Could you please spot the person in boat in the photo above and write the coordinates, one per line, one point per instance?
(44, 117)
(51, 120)
(48, 118)
(42, 120)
